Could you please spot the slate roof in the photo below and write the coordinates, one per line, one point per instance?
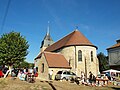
(56, 60)
(74, 38)
(47, 41)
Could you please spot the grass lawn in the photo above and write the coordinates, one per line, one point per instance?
(9, 84)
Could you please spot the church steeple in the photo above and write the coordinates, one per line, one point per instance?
(48, 29)
(47, 39)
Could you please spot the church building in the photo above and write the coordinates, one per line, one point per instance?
(73, 52)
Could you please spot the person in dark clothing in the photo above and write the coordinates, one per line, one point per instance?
(94, 79)
(90, 78)
(5, 70)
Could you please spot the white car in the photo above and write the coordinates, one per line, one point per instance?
(65, 75)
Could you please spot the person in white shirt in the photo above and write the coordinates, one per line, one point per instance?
(82, 77)
(50, 74)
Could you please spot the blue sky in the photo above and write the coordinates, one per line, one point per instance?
(98, 20)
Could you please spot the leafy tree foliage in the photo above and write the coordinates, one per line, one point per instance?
(13, 48)
(103, 62)
(31, 65)
(24, 64)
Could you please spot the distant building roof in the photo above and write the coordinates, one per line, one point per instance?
(74, 38)
(56, 60)
(116, 45)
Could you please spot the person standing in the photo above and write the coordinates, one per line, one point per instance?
(90, 77)
(50, 74)
(82, 77)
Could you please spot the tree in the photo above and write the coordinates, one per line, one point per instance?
(103, 62)
(23, 64)
(31, 65)
(13, 48)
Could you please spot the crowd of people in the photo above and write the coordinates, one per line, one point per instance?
(20, 73)
(30, 74)
(93, 80)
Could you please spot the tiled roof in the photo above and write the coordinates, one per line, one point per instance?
(56, 60)
(114, 46)
(74, 38)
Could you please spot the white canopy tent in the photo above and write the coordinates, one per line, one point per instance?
(112, 71)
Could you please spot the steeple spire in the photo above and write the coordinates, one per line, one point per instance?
(47, 41)
(48, 28)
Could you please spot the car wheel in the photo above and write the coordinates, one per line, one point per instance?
(56, 78)
(64, 79)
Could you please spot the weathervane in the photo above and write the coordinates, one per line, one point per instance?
(76, 27)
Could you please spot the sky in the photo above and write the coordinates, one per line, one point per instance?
(98, 20)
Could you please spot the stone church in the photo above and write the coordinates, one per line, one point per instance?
(73, 52)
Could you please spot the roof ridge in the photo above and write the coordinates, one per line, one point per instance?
(51, 52)
(114, 46)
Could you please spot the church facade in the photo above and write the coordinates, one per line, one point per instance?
(73, 52)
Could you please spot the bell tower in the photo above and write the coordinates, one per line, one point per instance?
(47, 41)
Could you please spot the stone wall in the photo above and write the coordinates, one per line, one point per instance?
(114, 56)
(71, 54)
(43, 75)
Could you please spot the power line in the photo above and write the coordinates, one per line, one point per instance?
(4, 18)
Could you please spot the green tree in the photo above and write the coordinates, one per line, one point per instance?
(13, 48)
(103, 62)
(31, 65)
(23, 64)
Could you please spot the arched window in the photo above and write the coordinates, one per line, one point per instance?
(79, 55)
(69, 62)
(91, 56)
(42, 68)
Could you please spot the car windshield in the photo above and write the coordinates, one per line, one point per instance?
(60, 72)
(73, 73)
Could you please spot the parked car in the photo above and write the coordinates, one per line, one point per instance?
(65, 75)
